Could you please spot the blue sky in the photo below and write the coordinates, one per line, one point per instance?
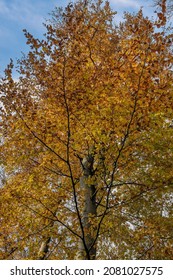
(16, 15)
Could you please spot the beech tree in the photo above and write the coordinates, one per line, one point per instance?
(87, 139)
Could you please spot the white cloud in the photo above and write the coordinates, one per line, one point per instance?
(133, 6)
(22, 12)
(126, 3)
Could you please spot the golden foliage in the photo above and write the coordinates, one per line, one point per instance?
(89, 85)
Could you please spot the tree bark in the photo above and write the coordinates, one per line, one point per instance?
(87, 246)
(44, 249)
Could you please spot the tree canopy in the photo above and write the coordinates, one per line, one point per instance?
(87, 148)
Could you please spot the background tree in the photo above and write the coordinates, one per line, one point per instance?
(87, 140)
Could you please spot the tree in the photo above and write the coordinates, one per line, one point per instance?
(164, 10)
(87, 144)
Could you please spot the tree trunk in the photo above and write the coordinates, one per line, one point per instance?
(44, 249)
(87, 246)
